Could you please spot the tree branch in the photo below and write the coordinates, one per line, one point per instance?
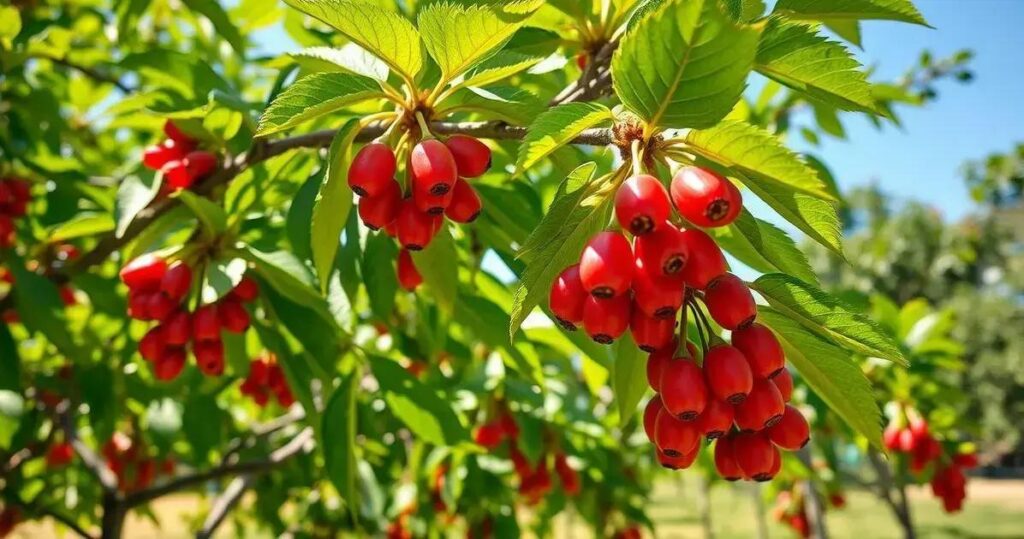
(57, 515)
(224, 504)
(92, 73)
(89, 458)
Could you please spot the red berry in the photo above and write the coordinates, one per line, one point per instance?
(605, 319)
(199, 164)
(67, 296)
(784, 382)
(725, 459)
(176, 175)
(432, 168)
(246, 290)
(682, 388)
(907, 441)
(6, 231)
(408, 276)
(606, 266)
(138, 304)
(656, 363)
(259, 372)
(177, 281)
(233, 317)
(716, 420)
(210, 357)
(151, 346)
(641, 204)
(891, 437)
(730, 302)
(763, 408)
(144, 272)
(662, 251)
(567, 297)
(177, 135)
(206, 324)
(705, 198)
(472, 157)
(966, 460)
(678, 463)
(178, 328)
(728, 374)
(791, 432)
(657, 295)
(465, 204)
(432, 204)
(156, 156)
(773, 470)
(372, 169)
(651, 411)
(761, 348)
(170, 364)
(160, 306)
(415, 228)
(581, 60)
(568, 476)
(58, 455)
(380, 210)
(651, 334)
(673, 437)
(755, 455)
(705, 260)
(489, 435)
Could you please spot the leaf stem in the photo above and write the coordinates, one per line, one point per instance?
(637, 163)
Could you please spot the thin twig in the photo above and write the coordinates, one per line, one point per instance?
(92, 73)
(224, 504)
(89, 458)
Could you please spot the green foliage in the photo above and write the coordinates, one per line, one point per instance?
(557, 127)
(315, 96)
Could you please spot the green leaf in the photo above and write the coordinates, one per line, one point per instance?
(380, 280)
(505, 103)
(797, 56)
(204, 425)
(629, 376)
(222, 276)
(814, 217)
(830, 372)
(487, 320)
(10, 22)
(39, 305)
(577, 213)
(684, 65)
(380, 31)
(221, 22)
(82, 225)
(745, 10)
(762, 246)
(333, 203)
(10, 361)
(825, 315)
(132, 196)
(212, 216)
(858, 10)
(846, 29)
(314, 96)
(349, 58)
(500, 66)
(427, 415)
(439, 266)
(460, 36)
(287, 274)
(339, 439)
(556, 127)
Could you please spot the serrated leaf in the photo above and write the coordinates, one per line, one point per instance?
(333, 203)
(212, 217)
(745, 10)
(339, 439)
(81, 225)
(439, 266)
(817, 10)
(557, 127)
(428, 416)
(797, 56)
(459, 36)
(764, 247)
(824, 314)
(814, 217)
(350, 58)
(385, 33)
(500, 66)
(684, 65)
(629, 378)
(830, 372)
(313, 96)
(504, 103)
(846, 29)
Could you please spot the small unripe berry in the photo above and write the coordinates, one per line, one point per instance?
(728, 374)
(177, 281)
(408, 276)
(415, 228)
(705, 260)
(606, 319)
(656, 295)
(761, 348)
(432, 168)
(380, 210)
(682, 388)
(662, 251)
(206, 324)
(725, 459)
(755, 455)
(372, 169)
(606, 266)
(705, 198)
(673, 437)
(784, 382)
(472, 157)
(651, 411)
(763, 408)
(210, 357)
(641, 204)
(144, 272)
(651, 334)
(233, 317)
(178, 328)
(730, 302)
(567, 297)
(791, 432)
(151, 346)
(465, 205)
(170, 364)
(716, 420)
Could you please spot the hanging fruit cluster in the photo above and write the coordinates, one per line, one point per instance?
(158, 292)
(178, 159)
(15, 195)
(130, 461)
(265, 379)
(492, 433)
(535, 481)
(791, 510)
(436, 188)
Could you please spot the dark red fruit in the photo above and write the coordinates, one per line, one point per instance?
(728, 374)
(233, 317)
(176, 175)
(651, 411)
(705, 260)
(641, 204)
(656, 363)
(472, 157)
(246, 290)
(754, 454)
(177, 281)
(151, 346)
(178, 329)
(761, 348)
(662, 251)
(606, 266)
(705, 198)
(156, 156)
(170, 364)
(408, 276)
(776, 464)
(465, 205)
(432, 168)
(138, 304)
(891, 437)
(784, 382)
(763, 408)
(791, 432)
(144, 272)
(372, 169)
(725, 459)
(730, 302)
(177, 135)
(58, 455)
(649, 333)
(210, 357)
(567, 297)
(606, 319)
(380, 210)
(682, 388)
(716, 420)
(160, 307)
(415, 228)
(673, 437)
(199, 164)
(489, 435)
(206, 324)
(678, 463)
(656, 295)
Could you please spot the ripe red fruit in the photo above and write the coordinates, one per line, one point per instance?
(144, 272)
(656, 363)
(138, 305)
(791, 432)
(246, 290)
(430, 203)
(178, 329)
(761, 348)
(160, 307)
(415, 228)
(233, 317)
(725, 459)
(206, 324)
(177, 135)
(730, 302)
(682, 388)
(784, 382)
(773, 470)
(656, 295)
(641, 204)
(472, 157)
(58, 455)
(754, 454)
(605, 319)
(673, 437)
(891, 437)
(705, 260)
(199, 164)
(176, 175)
(432, 168)
(567, 297)
(177, 281)
(372, 169)
(170, 364)
(662, 251)
(380, 210)
(568, 476)
(606, 266)
(728, 374)
(408, 276)
(156, 156)
(151, 346)
(210, 357)
(649, 333)
(651, 411)
(705, 198)
(678, 463)
(716, 420)
(465, 204)
(763, 408)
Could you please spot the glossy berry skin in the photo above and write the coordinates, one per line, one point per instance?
(199, 164)
(178, 329)
(246, 290)
(177, 135)
(773, 470)
(177, 281)
(151, 346)
(678, 463)
(784, 382)
(641, 204)
(755, 455)
(432, 168)
(465, 205)
(705, 259)
(673, 437)
(59, 454)
(682, 388)
(761, 348)
(156, 156)
(206, 324)
(725, 459)
(160, 307)
(210, 357)
(705, 198)
(372, 169)
(716, 420)
(408, 276)
(649, 333)
(730, 302)
(170, 364)
(233, 317)
(891, 437)
(651, 411)
(791, 432)
(138, 305)
(415, 228)
(176, 175)
(606, 319)
(381, 210)
(763, 408)
(728, 374)
(655, 295)
(472, 157)
(662, 251)
(656, 363)
(606, 266)
(567, 297)
(144, 272)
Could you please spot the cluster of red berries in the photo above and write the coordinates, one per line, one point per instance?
(914, 438)
(535, 481)
(15, 195)
(130, 462)
(266, 378)
(949, 482)
(157, 292)
(437, 189)
(492, 433)
(791, 510)
(178, 159)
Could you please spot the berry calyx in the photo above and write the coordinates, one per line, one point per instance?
(728, 374)
(408, 276)
(678, 463)
(465, 204)
(649, 333)
(682, 388)
(567, 297)
(432, 167)
(606, 319)
(705, 198)
(380, 210)
(641, 204)
(716, 420)
(705, 259)
(606, 266)
(791, 432)
(673, 437)
(415, 228)
(371, 170)
(662, 251)
(472, 157)
(730, 302)
(761, 348)
(762, 408)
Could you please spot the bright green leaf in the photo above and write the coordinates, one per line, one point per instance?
(439, 266)
(82, 225)
(762, 246)
(459, 37)
(313, 96)
(212, 10)
(212, 216)
(557, 127)
(350, 58)
(339, 438)
(501, 66)
(333, 203)
(427, 415)
(629, 378)
(817, 10)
